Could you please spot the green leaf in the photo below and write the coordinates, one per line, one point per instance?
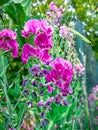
(37, 17)
(16, 13)
(17, 1)
(17, 89)
(20, 16)
(51, 124)
(3, 2)
(46, 67)
(27, 4)
(80, 35)
(2, 124)
(10, 10)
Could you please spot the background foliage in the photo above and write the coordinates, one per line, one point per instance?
(81, 16)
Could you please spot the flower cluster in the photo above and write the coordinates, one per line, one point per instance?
(28, 121)
(43, 80)
(36, 71)
(93, 96)
(56, 13)
(61, 74)
(65, 33)
(42, 40)
(93, 102)
(79, 69)
(8, 42)
(46, 106)
(36, 27)
(47, 84)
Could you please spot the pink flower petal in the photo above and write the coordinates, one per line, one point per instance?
(50, 89)
(43, 41)
(28, 50)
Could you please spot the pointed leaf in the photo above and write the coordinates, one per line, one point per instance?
(80, 35)
(3, 2)
(16, 13)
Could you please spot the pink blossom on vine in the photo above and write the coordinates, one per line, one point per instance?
(59, 14)
(96, 117)
(46, 28)
(91, 99)
(61, 73)
(95, 89)
(35, 27)
(60, 9)
(79, 68)
(12, 44)
(25, 33)
(49, 14)
(52, 6)
(7, 33)
(50, 89)
(43, 41)
(8, 42)
(40, 103)
(31, 51)
(31, 26)
(27, 51)
(55, 13)
(64, 30)
(44, 56)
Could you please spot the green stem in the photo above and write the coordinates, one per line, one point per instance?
(85, 94)
(4, 86)
(73, 124)
(9, 109)
(19, 99)
(21, 117)
(87, 109)
(50, 125)
(80, 123)
(21, 94)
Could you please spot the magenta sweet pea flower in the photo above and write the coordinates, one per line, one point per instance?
(59, 83)
(52, 6)
(54, 75)
(12, 44)
(46, 28)
(45, 57)
(61, 74)
(40, 103)
(8, 42)
(31, 26)
(64, 31)
(95, 89)
(79, 68)
(55, 14)
(7, 33)
(36, 27)
(59, 14)
(25, 33)
(49, 78)
(43, 41)
(60, 9)
(28, 50)
(50, 89)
